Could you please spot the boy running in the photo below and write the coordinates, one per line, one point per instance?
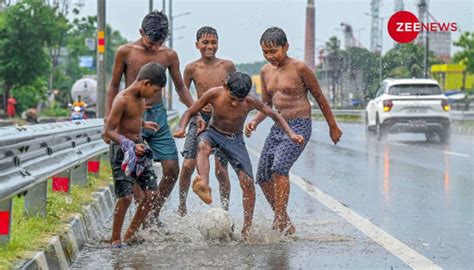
(231, 105)
(206, 72)
(128, 156)
(285, 84)
(129, 58)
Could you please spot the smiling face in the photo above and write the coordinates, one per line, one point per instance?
(207, 45)
(274, 54)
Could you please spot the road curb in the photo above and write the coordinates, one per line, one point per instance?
(64, 248)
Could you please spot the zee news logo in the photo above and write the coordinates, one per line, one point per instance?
(404, 27)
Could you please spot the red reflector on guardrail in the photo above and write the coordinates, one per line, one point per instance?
(60, 184)
(4, 223)
(93, 166)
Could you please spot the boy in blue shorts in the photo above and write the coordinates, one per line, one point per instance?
(231, 105)
(285, 84)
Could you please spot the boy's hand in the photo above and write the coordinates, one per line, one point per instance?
(335, 134)
(179, 133)
(207, 108)
(139, 149)
(250, 127)
(201, 124)
(297, 138)
(151, 125)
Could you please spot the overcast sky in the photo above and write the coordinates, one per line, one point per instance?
(241, 22)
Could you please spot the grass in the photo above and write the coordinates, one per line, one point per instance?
(340, 118)
(30, 234)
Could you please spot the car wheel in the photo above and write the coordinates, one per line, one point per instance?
(430, 136)
(369, 131)
(381, 132)
(444, 136)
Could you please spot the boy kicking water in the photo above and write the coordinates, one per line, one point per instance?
(231, 105)
(206, 73)
(285, 84)
(123, 127)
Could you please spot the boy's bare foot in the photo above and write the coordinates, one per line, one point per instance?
(182, 211)
(202, 190)
(133, 240)
(245, 233)
(290, 230)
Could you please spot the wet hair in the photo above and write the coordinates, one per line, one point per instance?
(273, 36)
(206, 30)
(155, 26)
(154, 72)
(239, 84)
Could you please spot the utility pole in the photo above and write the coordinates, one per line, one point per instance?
(101, 58)
(381, 51)
(150, 5)
(170, 84)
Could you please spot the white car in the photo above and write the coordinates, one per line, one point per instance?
(409, 105)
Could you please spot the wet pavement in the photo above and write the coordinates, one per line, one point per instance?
(418, 193)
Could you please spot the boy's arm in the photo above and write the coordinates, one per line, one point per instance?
(193, 110)
(311, 83)
(267, 100)
(264, 109)
(113, 120)
(181, 89)
(117, 71)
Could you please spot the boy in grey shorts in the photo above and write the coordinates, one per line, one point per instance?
(231, 105)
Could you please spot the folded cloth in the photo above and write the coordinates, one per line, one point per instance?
(132, 164)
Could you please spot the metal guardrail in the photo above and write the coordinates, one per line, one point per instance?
(455, 115)
(30, 155)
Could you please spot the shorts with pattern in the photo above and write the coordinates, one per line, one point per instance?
(279, 152)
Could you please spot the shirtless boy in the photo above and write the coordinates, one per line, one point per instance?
(231, 105)
(129, 58)
(285, 85)
(123, 127)
(206, 72)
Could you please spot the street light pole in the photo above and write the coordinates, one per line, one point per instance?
(150, 5)
(101, 58)
(170, 84)
(381, 50)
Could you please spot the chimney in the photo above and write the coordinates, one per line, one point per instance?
(309, 55)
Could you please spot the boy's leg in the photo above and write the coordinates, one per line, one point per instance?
(282, 193)
(142, 211)
(167, 182)
(248, 192)
(268, 189)
(184, 182)
(222, 175)
(189, 164)
(120, 210)
(138, 193)
(201, 182)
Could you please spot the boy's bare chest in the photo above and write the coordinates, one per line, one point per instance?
(287, 83)
(136, 59)
(206, 78)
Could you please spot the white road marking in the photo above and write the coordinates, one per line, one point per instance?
(456, 154)
(390, 243)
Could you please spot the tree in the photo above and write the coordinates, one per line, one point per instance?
(406, 61)
(366, 61)
(335, 60)
(251, 68)
(23, 60)
(466, 56)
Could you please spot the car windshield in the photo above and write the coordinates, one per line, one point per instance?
(414, 90)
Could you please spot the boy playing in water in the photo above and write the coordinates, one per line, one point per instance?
(206, 72)
(129, 58)
(123, 127)
(285, 85)
(231, 105)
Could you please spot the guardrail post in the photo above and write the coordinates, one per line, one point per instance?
(36, 200)
(79, 175)
(61, 182)
(5, 220)
(93, 165)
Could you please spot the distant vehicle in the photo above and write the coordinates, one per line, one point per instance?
(78, 112)
(409, 105)
(86, 87)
